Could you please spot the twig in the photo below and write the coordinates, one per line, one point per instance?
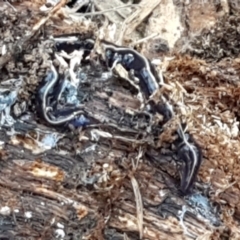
(144, 39)
(139, 205)
(11, 6)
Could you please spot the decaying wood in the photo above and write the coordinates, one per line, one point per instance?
(23, 42)
(118, 179)
(139, 15)
(116, 16)
(115, 6)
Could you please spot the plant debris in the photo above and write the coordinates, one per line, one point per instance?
(118, 177)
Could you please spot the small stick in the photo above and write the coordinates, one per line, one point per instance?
(144, 39)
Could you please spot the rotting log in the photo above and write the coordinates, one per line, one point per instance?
(83, 189)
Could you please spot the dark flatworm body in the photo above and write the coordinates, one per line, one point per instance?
(45, 109)
(188, 151)
(143, 70)
(133, 60)
(190, 155)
